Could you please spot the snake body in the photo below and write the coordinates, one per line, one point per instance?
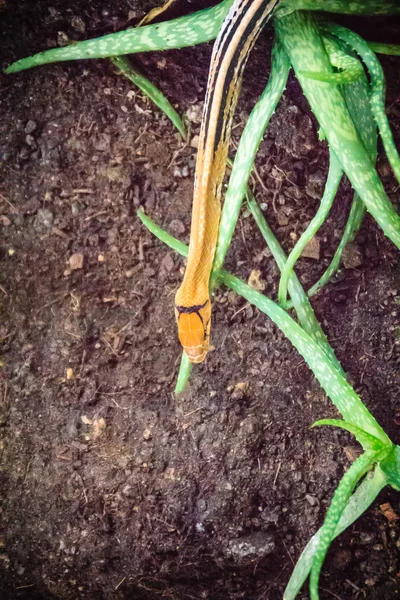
(237, 37)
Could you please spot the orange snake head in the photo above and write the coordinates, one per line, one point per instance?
(194, 329)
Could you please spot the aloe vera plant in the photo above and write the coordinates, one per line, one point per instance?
(329, 62)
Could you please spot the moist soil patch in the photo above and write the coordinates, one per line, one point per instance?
(112, 487)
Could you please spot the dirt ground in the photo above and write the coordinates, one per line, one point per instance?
(111, 486)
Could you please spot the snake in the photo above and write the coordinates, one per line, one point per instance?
(236, 39)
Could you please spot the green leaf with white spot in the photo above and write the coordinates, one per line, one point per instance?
(358, 503)
(367, 441)
(197, 28)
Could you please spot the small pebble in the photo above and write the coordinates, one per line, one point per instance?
(167, 263)
(239, 390)
(312, 500)
(147, 434)
(194, 113)
(30, 140)
(312, 250)
(282, 218)
(30, 127)
(5, 561)
(177, 227)
(255, 280)
(352, 256)
(177, 172)
(5, 220)
(378, 547)
(99, 426)
(62, 39)
(76, 261)
(194, 143)
(78, 24)
(256, 545)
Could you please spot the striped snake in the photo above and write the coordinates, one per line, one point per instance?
(236, 39)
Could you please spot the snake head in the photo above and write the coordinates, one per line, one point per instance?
(194, 329)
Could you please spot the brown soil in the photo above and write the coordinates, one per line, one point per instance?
(111, 486)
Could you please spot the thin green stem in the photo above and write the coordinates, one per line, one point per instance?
(148, 88)
(356, 215)
(184, 374)
(332, 183)
(390, 49)
(300, 302)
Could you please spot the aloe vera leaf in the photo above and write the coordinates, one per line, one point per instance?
(390, 49)
(148, 88)
(359, 502)
(243, 163)
(368, 442)
(199, 27)
(336, 508)
(377, 86)
(330, 378)
(391, 467)
(357, 101)
(351, 67)
(301, 304)
(332, 183)
(302, 41)
(353, 224)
